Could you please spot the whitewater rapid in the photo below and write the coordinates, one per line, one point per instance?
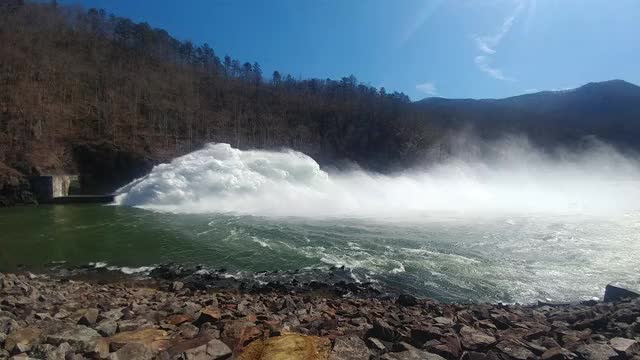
(516, 178)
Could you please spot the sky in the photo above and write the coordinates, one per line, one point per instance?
(424, 48)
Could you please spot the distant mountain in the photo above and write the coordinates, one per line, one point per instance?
(609, 110)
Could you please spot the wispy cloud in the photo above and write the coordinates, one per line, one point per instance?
(419, 17)
(428, 88)
(484, 64)
(488, 45)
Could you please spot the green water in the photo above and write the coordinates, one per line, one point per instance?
(492, 258)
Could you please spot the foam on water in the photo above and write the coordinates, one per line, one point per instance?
(513, 178)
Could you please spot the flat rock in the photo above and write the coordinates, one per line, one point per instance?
(558, 353)
(412, 355)
(80, 337)
(208, 314)
(515, 350)
(178, 319)
(132, 351)
(21, 340)
(474, 339)
(349, 348)
(216, 349)
(382, 330)
(624, 346)
(155, 339)
(596, 352)
(288, 347)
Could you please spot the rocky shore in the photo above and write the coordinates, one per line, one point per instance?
(169, 316)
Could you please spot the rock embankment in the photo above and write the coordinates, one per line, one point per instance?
(52, 318)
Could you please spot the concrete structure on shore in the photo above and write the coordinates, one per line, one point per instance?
(63, 189)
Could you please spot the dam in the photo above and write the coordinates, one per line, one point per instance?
(64, 189)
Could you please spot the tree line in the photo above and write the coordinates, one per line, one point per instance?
(71, 75)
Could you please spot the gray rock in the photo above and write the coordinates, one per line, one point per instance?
(382, 330)
(626, 347)
(616, 292)
(129, 325)
(407, 300)
(377, 345)
(515, 350)
(80, 337)
(177, 286)
(89, 317)
(188, 330)
(132, 351)
(60, 353)
(558, 353)
(420, 335)
(412, 355)
(626, 316)
(473, 339)
(349, 348)
(107, 327)
(114, 314)
(217, 350)
(21, 340)
(596, 352)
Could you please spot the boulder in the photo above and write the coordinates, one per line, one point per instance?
(407, 300)
(59, 353)
(625, 315)
(377, 345)
(625, 347)
(114, 314)
(22, 340)
(177, 319)
(202, 347)
(80, 337)
(107, 327)
(208, 314)
(382, 330)
(349, 348)
(239, 333)
(177, 286)
(596, 352)
(156, 340)
(131, 351)
(558, 353)
(420, 335)
(216, 349)
(414, 354)
(89, 317)
(288, 347)
(515, 350)
(130, 325)
(616, 292)
(473, 339)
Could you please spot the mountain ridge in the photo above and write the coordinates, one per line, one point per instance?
(594, 85)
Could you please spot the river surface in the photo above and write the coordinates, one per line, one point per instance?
(449, 257)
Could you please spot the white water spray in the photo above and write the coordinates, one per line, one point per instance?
(515, 179)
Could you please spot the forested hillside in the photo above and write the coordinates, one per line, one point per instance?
(71, 77)
(83, 91)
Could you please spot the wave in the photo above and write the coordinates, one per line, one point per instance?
(516, 178)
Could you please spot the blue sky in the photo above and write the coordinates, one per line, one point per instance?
(448, 48)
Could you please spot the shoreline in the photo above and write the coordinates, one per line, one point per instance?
(169, 316)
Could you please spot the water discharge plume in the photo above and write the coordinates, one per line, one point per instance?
(512, 177)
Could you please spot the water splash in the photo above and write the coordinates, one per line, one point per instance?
(513, 178)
